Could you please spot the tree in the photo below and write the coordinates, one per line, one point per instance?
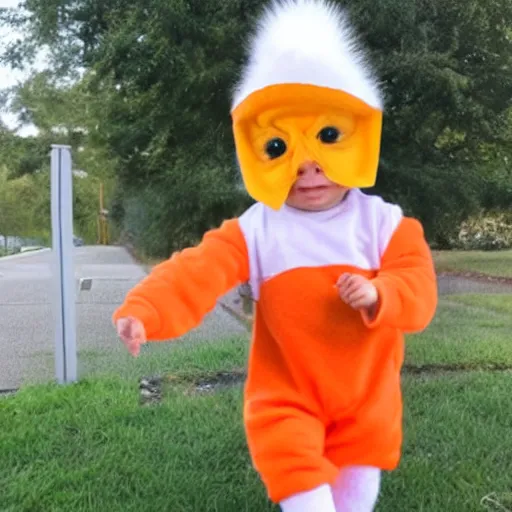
(446, 71)
(16, 201)
(66, 114)
(158, 76)
(161, 100)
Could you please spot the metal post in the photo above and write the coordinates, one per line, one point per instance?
(63, 252)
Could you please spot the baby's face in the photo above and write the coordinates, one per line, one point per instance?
(280, 128)
(313, 191)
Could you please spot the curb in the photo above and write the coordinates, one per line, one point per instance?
(25, 254)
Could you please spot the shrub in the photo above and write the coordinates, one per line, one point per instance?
(173, 213)
(487, 231)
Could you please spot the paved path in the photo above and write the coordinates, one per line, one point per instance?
(453, 284)
(26, 323)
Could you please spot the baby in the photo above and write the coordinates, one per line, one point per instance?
(337, 276)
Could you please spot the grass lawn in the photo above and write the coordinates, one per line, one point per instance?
(467, 331)
(492, 263)
(92, 447)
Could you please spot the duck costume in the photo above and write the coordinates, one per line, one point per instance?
(322, 405)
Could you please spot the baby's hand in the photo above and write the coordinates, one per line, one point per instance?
(132, 333)
(358, 292)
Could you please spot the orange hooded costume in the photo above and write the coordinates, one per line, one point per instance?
(323, 389)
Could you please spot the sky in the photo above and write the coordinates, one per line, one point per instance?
(8, 77)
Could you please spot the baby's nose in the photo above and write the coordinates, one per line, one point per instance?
(309, 168)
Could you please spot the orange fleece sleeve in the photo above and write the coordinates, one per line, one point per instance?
(406, 282)
(178, 293)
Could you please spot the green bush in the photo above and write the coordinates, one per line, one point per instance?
(172, 213)
(487, 231)
(434, 194)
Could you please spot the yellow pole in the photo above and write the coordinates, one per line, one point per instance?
(102, 219)
(100, 200)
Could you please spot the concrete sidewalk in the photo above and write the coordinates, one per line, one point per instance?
(26, 322)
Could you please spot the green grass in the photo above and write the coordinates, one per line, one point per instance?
(92, 447)
(492, 263)
(176, 358)
(498, 304)
(468, 330)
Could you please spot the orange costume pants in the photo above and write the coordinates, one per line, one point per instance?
(313, 407)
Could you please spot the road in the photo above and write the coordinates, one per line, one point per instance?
(26, 322)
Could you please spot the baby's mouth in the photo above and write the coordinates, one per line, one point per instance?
(314, 188)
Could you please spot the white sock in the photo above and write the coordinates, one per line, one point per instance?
(357, 489)
(317, 500)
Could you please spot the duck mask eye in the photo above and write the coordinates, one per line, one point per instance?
(275, 148)
(329, 135)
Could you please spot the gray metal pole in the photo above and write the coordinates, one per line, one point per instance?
(63, 252)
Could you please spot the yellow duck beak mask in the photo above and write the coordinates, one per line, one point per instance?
(305, 94)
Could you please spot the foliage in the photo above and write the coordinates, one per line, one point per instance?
(175, 211)
(63, 114)
(166, 71)
(486, 263)
(446, 73)
(22, 155)
(486, 232)
(152, 104)
(86, 208)
(16, 205)
(25, 205)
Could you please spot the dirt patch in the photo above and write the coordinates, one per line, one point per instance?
(221, 379)
(5, 393)
(152, 388)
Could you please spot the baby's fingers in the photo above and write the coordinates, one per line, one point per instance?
(349, 285)
(124, 328)
(343, 279)
(133, 344)
(133, 347)
(132, 334)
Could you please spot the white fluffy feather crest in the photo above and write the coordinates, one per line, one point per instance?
(307, 42)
